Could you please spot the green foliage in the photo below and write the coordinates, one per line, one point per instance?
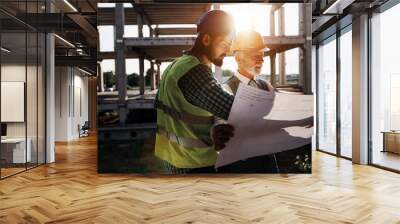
(109, 79)
(303, 163)
(133, 79)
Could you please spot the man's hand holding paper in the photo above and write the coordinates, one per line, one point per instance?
(266, 123)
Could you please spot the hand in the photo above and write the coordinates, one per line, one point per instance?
(306, 122)
(310, 121)
(221, 134)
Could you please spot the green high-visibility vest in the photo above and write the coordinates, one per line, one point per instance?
(183, 129)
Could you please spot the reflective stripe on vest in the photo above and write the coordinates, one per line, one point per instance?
(183, 137)
(185, 142)
(185, 117)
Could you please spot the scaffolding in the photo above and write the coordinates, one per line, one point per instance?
(159, 47)
(128, 137)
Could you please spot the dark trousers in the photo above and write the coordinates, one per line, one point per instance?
(285, 163)
(259, 164)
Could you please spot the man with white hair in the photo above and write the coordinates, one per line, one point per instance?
(248, 48)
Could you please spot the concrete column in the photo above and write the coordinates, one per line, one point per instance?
(50, 92)
(158, 75)
(100, 79)
(155, 33)
(92, 83)
(305, 53)
(153, 77)
(360, 89)
(282, 58)
(142, 81)
(272, 23)
(119, 51)
(302, 49)
(273, 56)
(140, 25)
(120, 62)
(151, 31)
(153, 84)
(313, 89)
(64, 103)
(273, 69)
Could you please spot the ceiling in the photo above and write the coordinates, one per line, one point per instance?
(160, 13)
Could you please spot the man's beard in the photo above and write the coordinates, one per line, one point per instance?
(217, 61)
(253, 71)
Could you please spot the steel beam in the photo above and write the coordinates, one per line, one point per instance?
(163, 13)
(281, 49)
(63, 6)
(112, 55)
(83, 23)
(337, 6)
(189, 41)
(159, 41)
(130, 104)
(320, 22)
(283, 40)
(176, 31)
(86, 61)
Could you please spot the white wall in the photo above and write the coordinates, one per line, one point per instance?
(17, 73)
(71, 94)
(80, 109)
(62, 82)
(9, 73)
(33, 126)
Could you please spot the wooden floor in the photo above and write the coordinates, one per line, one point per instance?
(70, 191)
(5, 172)
(386, 159)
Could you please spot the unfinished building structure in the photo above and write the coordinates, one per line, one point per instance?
(132, 113)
